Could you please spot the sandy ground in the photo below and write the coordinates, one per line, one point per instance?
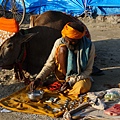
(106, 37)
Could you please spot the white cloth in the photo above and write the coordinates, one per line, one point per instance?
(4, 35)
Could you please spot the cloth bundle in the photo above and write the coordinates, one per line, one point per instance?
(8, 27)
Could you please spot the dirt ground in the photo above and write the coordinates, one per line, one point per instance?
(105, 33)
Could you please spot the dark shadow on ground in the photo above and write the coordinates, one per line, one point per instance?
(6, 90)
(108, 60)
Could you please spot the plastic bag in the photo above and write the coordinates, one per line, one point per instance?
(111, 96)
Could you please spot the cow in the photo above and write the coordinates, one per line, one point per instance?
(55, 19)
(29, 49)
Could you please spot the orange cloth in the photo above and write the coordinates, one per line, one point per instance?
(9, 25)
(71, 32)
(20, 102)
(80, 87)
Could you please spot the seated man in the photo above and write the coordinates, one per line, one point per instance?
(71, 60)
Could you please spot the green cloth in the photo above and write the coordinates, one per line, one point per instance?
(80, 59)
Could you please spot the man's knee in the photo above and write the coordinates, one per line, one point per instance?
(85, 87)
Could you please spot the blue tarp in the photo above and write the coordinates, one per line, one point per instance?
(104, 7)
(74, 7)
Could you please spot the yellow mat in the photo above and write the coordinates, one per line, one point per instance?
(20, 102)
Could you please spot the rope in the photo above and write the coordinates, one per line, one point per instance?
(19, 74)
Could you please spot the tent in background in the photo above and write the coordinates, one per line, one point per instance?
(73, 7)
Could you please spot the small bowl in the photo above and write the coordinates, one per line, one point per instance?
(36, 95)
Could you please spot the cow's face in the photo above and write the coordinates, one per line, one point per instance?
(10, 50)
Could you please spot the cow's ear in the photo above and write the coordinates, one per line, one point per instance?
(26, 37)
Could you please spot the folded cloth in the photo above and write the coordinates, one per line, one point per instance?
(114, 110)
(95, 101)
(8, 27)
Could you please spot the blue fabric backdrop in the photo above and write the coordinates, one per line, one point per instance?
(74, 7)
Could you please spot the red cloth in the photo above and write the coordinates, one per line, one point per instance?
(114, 110)
(55, 86)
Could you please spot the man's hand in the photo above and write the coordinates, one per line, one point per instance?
(64, 86)
(34, 84)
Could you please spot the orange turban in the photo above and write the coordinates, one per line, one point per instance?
(71, 32)
(9, 25)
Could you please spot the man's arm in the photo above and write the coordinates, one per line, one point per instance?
(49, 66)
